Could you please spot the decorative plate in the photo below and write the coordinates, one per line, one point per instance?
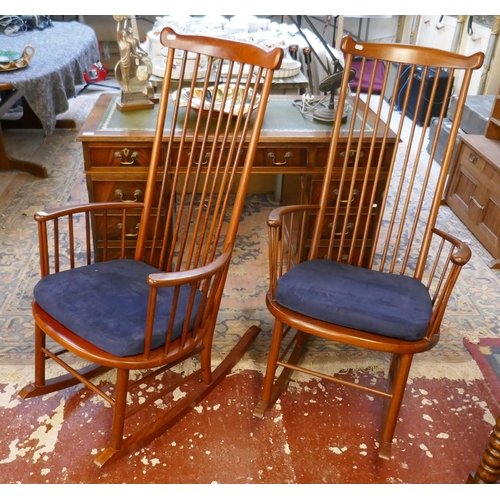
(289, 68)
(234, 93)
(7, 56)
(14, 60)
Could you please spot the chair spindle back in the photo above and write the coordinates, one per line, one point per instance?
(397, 182)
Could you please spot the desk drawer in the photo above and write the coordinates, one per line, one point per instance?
(124, 191)
(121, 156)
(349, 231)
(113, 227)
(281, 157)
(264, 157)
(333, 194)
(322, 156)
(209, 156)
(119, 191)
(471, 160)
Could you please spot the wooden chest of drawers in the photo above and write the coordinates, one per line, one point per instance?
(473, 191)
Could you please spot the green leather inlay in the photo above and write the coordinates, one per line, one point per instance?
(281, 115)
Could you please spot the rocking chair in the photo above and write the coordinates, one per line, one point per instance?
(151, 312)
(367, 267)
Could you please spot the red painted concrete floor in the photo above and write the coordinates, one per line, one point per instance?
(319, 432)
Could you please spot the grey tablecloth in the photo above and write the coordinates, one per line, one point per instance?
(62, 54)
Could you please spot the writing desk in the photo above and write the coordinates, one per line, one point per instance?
(117, 151)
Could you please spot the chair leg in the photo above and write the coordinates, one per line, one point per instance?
(272, 389)
(42, 386)
(39, 356)
(272, 360)
(398, 375)
(155, 428)
(38, 386)
(121, 391)
(206, 361)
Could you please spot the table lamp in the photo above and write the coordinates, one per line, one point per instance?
(133, 70)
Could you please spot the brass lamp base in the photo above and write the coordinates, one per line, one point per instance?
(130, 100)
(328, 115)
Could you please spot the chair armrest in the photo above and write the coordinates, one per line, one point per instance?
(70, 241)
(444, 266)
(462, 252)
(191, 276)
(53, 213)
(205, 287)
(276, 216)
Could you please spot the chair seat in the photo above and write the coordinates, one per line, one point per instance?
(112, 300)
(382, 303)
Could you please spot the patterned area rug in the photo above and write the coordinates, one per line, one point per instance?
(472, 311)
(486, 353)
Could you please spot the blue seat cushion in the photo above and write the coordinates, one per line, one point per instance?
(382, 303)
(106, 304)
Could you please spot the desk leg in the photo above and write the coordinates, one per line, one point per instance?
(7, 163)
(31, 120)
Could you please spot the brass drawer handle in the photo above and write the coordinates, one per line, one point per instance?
(352, 154)
(355, 193)
(205, 159)
(137, 193)
(472, 157)
(481, 207)
(288, 154)
(126, 153)
(129, 235)
(349, 227)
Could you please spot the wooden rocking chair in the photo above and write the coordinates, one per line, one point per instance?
(367, 267)
(151, 312)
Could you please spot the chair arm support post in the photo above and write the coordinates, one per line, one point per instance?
(278, 243)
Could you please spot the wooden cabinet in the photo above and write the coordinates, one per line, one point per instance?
(473, 192)
(493, 126)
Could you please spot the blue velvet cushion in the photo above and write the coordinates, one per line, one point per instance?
(386, 304)
(106, 304)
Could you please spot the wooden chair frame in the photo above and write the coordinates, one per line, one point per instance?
(188, 226)
(404, 240)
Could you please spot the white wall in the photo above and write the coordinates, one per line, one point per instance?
(420, 30)
(431, 34)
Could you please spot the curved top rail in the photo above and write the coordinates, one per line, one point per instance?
(231, 49)
(412, 54)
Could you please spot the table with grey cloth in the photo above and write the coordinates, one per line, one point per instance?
(63, 53)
